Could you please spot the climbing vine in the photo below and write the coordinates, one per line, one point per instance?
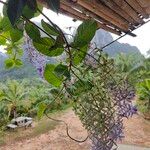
(101, 99)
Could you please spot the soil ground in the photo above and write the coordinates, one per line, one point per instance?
(137, 132)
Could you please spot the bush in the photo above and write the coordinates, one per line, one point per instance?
(22, 98)
(143, 91)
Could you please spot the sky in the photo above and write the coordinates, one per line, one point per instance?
(142, 41)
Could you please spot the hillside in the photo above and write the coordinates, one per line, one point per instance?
(101, 38)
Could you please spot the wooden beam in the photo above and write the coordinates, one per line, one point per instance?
(88, 13)
(138, 8)
(79, 16)
(123, 5)
(73, 11)
(106, 10)
(118, 10)
(144, 3)
(148, 10)
(94, 9)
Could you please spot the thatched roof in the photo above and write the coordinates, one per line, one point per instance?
(116, 16)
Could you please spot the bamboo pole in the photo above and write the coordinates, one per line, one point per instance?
(138, 8)
(118, 10)
(94, 9)
(122, 4)
(82, 17)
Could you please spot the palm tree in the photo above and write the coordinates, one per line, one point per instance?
(143, 91)
(12, 95)
(131, 66)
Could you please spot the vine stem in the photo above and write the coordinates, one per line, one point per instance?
(24, 17)
(58, 28)
(67, 129)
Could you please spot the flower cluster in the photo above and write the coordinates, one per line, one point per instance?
(37, 59)
(103, 108)
(123, 97)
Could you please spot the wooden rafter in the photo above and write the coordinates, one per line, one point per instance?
(116, 16)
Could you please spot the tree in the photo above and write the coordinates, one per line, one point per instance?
(143, 91)
(16, 20)
(12, 95)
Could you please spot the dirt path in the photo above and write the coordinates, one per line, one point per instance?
(137, 132)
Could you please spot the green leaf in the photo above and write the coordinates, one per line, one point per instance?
(47, 47)
(9, 63)
(5, 24)
(43, 45)
(18, 62)
(82, 86)
(28, 12)
(2, 41)
(16, 34)
(14, 10)
(54, 4)
(49, 29)
(85, 33)
(54, 91)
(57, 49)
(41, 108)
(62, 70)
(79, 55)
(32, 31)
(50, 76)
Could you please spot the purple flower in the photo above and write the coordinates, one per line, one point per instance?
(37, 59)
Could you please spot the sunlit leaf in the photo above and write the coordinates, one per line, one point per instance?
(41, 108)
(18, 62)
(50, 76)
(79, 54)
(9, 63)
(16, 35)
(49, 29)
(5, 24)
(85, 33)
(2, 41)
(32, 31)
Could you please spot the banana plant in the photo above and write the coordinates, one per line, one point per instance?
(143, 91)
(12, 95)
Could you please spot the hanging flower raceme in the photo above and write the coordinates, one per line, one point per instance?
(102, 108)
(37, 59)
(123, 95)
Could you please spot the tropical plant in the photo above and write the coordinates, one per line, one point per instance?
(13, 95)
(133, 67)
(17, 19)
(143, 91)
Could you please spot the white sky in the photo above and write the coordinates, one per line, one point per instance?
(142, 41)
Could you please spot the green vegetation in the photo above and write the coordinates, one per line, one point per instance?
(22, 98)
(143, 91)
(101, 91)
(137, 71)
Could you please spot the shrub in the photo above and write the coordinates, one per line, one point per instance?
(143, 91)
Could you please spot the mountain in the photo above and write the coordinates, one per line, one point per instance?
(103, 37)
